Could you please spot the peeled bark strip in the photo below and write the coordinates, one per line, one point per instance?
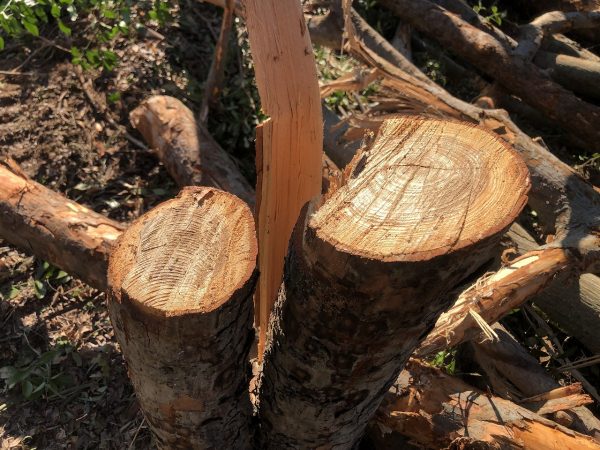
(290, 145)
(58, 230)
(190, 154)
(495, 296)
(364, 281)
(440, 411)
(181, 280)
(491, 57)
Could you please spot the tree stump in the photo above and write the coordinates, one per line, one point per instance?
(366, 273)
(181, 280)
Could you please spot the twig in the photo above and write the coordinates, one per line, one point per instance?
(215, 75)
(136, 433)
(581, 363)
(101, 109)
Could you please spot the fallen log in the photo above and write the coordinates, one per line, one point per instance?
(190, 154)
(289, 145)
(58, 230)
(181, 280)
(491, 57)
(516, 375)
(573, 305)
(366, 273)
(579, 75)
(440, 411)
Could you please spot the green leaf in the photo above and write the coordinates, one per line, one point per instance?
(40, 289)
(31, 27)
(1, 43)
(27, 389)
(63, 28)
(55, 10)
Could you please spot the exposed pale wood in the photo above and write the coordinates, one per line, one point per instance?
(292, 138)
(440, 411)
(181, 280)
(495, 296)
(419, 210)
(46, 224)
(581, 76)
(189, 153)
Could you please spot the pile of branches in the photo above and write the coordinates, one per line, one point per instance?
(532, 69)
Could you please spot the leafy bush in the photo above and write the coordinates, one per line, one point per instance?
(102, 20)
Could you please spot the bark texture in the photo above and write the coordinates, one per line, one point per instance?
(190, 154)
(181, 280)
(515, 74)
(365, 279)
(440, 411)
(56, 229)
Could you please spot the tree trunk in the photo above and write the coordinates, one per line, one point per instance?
(290, 143)
(491, 57)
(440, 411)
(181, 280)
(188, 151)
(53, 228)
(365, 279)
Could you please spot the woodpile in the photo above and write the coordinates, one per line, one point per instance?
(348, 280)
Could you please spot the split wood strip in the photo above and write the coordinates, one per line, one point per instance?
(366, 273)
(181, 280)
(291, 144)
(58, 230)
(440, 411)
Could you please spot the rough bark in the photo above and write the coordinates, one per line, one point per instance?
(440, 411)
(290, 143)
(366, 273)
(574, 305)
(53, 228)
(181, 280)
(515, 74)
(190, 155)
(514, 374)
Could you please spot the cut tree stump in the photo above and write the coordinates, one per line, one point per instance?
(181, 280)
(440, 411)
(54, 228)
(366, 273)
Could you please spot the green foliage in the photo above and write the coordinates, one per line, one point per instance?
(103, 21)
(446, 359)
(491, 14)
(39, 377)
(48, 275)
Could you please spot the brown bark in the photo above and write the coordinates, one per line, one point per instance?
(190, 155)
(579, 75)
(366, 273)
(514, 374)
(56, 229)
(491, 57)
(181, 280)
(440, 411)
(572, 304)
(290, 143)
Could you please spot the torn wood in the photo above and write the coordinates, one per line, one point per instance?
(291, 140)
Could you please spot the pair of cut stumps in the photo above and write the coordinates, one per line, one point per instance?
(367, 267)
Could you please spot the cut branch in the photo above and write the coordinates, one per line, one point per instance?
(189, 153)
(53, 228)
(367, 272)
(181, 280)
(440, 411)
